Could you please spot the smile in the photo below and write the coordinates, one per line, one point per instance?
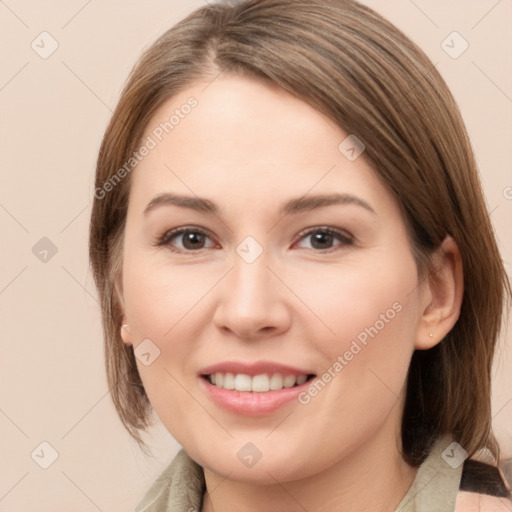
(259, 395)
(262, 383)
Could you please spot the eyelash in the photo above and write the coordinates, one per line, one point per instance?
(345, 239)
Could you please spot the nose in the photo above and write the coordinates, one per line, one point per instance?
(252, 301)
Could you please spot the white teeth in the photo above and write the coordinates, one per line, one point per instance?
(229, 381)
(301, 379)
(276, 382)
(289, 381)
(243, 382)
(259, 383)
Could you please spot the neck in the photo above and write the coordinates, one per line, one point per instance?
(373, 477)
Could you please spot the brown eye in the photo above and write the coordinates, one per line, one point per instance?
(185, 239)
(324, 238)
(193, 240)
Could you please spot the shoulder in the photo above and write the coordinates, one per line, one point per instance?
(482, 489)
(180, 486)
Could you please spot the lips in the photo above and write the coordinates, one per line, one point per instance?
(251, 395)
(253, 369)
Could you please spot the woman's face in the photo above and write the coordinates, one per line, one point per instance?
(329, 289)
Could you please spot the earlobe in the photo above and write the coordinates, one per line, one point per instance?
(446, 288)
(125, 332)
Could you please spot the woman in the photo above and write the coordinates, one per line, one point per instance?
(296, 268)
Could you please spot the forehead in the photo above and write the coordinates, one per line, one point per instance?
(248, 140)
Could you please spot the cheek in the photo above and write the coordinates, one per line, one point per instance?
(162, 305)
(372, 314)
(168, 305)
(360, 301)
(158, 295)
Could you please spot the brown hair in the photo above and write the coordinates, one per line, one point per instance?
(372, 81)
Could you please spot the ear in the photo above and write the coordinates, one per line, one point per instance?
(442, 299)
(126, 335)
(125, 326)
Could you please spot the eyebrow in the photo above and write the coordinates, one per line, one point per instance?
(290, 207)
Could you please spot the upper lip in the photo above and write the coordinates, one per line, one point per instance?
(252, 369)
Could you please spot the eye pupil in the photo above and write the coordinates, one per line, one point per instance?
(191, 237)
(322, 238)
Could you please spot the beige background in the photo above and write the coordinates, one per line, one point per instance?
(54, 112)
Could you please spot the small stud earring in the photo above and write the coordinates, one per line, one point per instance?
(430, 334)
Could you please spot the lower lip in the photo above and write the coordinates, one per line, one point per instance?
(252, 403)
